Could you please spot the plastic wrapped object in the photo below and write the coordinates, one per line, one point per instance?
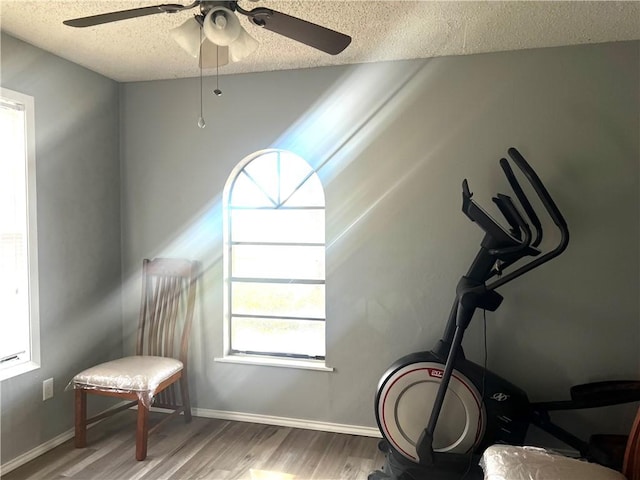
(506, 462)
(140, 375)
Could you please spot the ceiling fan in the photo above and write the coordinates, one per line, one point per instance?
(217, 25)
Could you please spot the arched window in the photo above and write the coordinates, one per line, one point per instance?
(274, 257)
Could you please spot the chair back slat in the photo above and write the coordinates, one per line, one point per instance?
(167, 305)
(172, 314)
(161, 313)
(631, 465)
(154, 311)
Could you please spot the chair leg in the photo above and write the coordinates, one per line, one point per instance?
(186, 403)
(142, 431)
(81, 418)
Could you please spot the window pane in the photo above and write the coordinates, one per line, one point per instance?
(264, 171)
(247, 194)
(277, 261)
(309, 194)
(277, 299)
(293, 172)
(296, 337)
(14, 321)
(282, 225)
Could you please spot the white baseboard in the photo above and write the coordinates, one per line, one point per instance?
(43, 448)
(288, 422)
(206, 413)
(36, 452)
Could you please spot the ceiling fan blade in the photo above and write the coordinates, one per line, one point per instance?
(316, 36)
(124, 15)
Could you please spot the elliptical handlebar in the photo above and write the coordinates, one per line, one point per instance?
(509, 211)
(552, 210)
(524, 201)
(542, 192)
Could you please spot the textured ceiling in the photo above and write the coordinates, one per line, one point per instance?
(142, 49)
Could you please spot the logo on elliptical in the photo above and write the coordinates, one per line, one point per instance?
(499, 397)
(436, 372)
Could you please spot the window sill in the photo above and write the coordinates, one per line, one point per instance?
(275, 362)
(15, 370)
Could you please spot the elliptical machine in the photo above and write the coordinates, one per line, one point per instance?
(472, 407)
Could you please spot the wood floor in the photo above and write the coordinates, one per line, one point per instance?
(207, 449)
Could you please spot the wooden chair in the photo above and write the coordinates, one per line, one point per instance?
(166, 311)
(506, 462)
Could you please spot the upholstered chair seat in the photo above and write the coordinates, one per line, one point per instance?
(141, 374)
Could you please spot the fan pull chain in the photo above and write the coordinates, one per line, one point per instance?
(217, 91)
(201, 122)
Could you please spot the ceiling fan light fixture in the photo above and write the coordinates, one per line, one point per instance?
(244, 46)
(212, 55)
(188, 37)
(222, 27)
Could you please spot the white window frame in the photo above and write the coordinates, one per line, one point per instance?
(30, 360)
(265, 358)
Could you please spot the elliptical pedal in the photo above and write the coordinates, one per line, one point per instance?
(598, 394)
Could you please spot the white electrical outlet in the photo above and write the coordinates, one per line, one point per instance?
(47, 389)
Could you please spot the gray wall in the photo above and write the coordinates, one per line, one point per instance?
(392, 143)
(78, 195)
